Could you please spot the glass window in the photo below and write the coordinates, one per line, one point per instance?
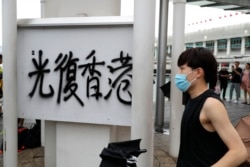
(222, 44)
(247, 44)
(198, 44)
(189, 45)
(210, 45)
(235, 43)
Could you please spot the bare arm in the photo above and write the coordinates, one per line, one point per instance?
(236, 72)
(224, 75)
(216, 115)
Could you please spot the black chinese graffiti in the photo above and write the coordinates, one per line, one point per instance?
(93, 73)
(67, 66)
(123, 67)
(40, 72)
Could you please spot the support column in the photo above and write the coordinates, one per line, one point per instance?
(142, 99)
(228, 46)
(161, 64)
(176, 95)
(43, 8)
(10, 82)
(216, 48)
(50, 143)
(243, 48)
(204, 43)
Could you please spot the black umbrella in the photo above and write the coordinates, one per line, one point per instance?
(166, 89)
(121, 154)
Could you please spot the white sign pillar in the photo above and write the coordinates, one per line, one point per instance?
(176, 95)
(10, 82)
(84, 122)
(142, 99)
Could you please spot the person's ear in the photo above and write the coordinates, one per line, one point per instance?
(199, 72)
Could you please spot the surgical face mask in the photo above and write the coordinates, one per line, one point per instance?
(182, 83)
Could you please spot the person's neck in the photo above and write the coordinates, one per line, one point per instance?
(197, 90)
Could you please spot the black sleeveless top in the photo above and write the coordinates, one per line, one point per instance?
(198, 147)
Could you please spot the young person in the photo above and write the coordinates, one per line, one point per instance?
(223, 77)
(245, 83)
(235, 81)
(208, 139)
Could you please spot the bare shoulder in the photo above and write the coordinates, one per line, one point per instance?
(214, 115)
(214, 109)
(212, 102)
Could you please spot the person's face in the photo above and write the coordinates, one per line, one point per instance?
(184, 69)
(236, 64)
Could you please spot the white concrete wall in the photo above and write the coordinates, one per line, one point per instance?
(83, 149)
(77, 144)
(80, 8)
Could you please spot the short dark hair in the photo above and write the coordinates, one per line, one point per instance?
(201, 58)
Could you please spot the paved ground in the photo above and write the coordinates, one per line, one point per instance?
(35, 157)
